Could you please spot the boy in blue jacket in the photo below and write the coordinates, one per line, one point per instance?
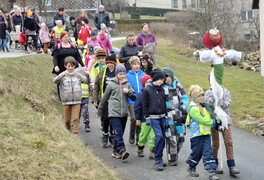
(133, 77)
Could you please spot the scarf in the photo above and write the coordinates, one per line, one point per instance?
(59, 14)
(146, 34)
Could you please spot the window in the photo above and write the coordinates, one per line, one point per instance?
(47, 3)
(247, 15)
(193, 3)
(184, 4)
(175, 3)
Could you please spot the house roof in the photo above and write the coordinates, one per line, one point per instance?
(255, 4)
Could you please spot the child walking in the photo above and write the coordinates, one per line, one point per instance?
(71, 93)
(146, 131)
(98, 66)
(57, 30)
(200, 123)
(224, 103)
(44, 37)
(116, 94)
(176, 99)
(154, 108)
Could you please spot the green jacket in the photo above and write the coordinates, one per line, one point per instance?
(117, 99)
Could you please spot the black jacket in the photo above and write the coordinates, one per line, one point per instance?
(153, 101)
(2, 28)
(57, 17)
(126, 52)
(101, 17)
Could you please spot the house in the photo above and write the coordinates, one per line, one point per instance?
(256, 4)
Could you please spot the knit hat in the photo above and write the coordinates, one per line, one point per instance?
(72, 18)
(144, 78)
(93, 33)
(79, 42)
(133, 59)
(212, 38)
(33, 9)
(110, 58)
(95, 49)
(195, 91)
(70, 31)
(100, 53)
(168, 71)
(102, 33)
(103, 26)
(120, 68)
(61, 9)
(58, 22)
(157, 74)
(5, 11)
(86, 20)
(116, 50)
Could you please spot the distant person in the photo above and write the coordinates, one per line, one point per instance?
(71, 100)
(146, 40)
(83, 15)
(44, 37)
(101, 17)
(59, 16)
(66, 17)
(128, 50)
(85, 32)
(105, 42)
(3, 29)
(73, 26)
(16, 19)
(57, 30)
(146, 63)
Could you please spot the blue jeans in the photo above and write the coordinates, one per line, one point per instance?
(158, 125)
(3, 43)
(119, 125)
(201, 147)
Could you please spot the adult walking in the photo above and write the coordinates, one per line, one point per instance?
(73, 26)
(16, 19)
(147, 41)
(3, 28)
(59, 16)
(128, 50)
(83, 15)
(101, 17)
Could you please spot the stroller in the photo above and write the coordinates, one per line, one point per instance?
(15, 35)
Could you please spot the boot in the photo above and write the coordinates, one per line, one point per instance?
(151, 154)
(140, 151)
(173, 160)
(158, 165)
(124, 154)
(192, 171)
(87, 127)
(104, 140)
(232, 170)
(7, 50)
(219, 170)
(116, 154)
(212, 175)
(3, 49)
(112, 140)
(132, 138)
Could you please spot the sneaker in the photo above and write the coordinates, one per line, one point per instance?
(112, 140)
(7, 50)
(87, 127)
(116, 155)
(172, 163)
(140, 153)
(76, 134)
(158, 166)
(219, 170)
(132, 138)
(124, 154)
(151, 154)
(26, 52)
(104, 141)
(192, 172)
(233, 171)
(213, 177)
(38, 51)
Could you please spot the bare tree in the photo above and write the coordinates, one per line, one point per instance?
(113, 5)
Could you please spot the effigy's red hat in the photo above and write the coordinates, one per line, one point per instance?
(211, 40)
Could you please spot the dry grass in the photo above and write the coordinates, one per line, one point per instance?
(34, 143)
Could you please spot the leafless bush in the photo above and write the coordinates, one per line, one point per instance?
(125, 15)
(178, 16)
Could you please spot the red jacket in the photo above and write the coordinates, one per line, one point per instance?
(85, 33)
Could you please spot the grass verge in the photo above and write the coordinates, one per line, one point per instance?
(246, 87)
(34, 144)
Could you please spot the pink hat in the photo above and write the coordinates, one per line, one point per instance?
(102, 33)
(5, 11)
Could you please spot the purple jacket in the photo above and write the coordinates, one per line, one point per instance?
(106, 45)
(142, 40)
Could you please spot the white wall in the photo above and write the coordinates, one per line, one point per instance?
(165, 4)
(261, 14)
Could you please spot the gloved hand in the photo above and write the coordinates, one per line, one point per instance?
(148, 121)
(217, 124)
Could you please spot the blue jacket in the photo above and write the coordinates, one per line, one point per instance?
(134, 79)
(139, 114)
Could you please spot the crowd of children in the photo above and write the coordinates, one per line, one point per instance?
(155, 100)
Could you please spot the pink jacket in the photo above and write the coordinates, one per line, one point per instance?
(106, 45)
(44, 36)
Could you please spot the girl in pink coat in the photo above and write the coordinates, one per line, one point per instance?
(106, 45)
(44, 37)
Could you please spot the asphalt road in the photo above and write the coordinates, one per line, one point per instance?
(248, 151)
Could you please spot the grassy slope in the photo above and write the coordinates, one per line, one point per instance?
(33, 141)
(245, 86)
